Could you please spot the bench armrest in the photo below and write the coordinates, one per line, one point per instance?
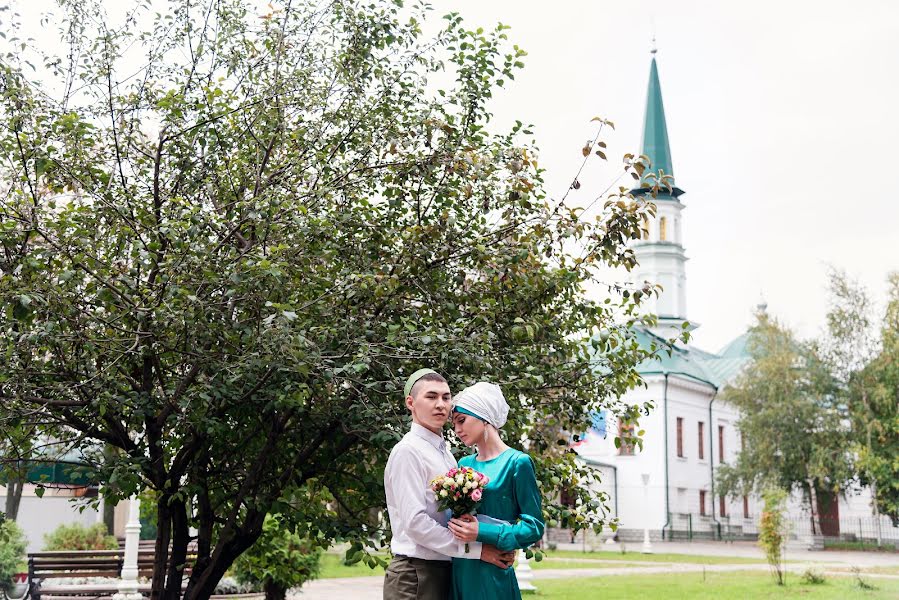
(4, 596)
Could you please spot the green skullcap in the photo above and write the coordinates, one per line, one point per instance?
(413, 378)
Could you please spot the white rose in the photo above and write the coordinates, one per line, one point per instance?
(460, 479)
(443, 493)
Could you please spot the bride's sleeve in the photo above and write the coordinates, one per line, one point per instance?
(529, 527)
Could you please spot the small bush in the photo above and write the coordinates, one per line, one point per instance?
(79, 537)
(12, 552)
(278, 561)
(862, 584)
(773, 531)
(813, 575)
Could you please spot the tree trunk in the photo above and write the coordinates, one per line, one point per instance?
(109, 453)
(871, 479)
(813, 501)
(180, 539)
(274, 591)
(161, 550)
(109, 515)
(202, 583)
(13, 497)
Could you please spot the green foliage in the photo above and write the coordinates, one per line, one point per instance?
(773, 531)
(861, 351)
(226, 265)
(278, 561)
(874, 409)
(80, 537)
(793, 427)
(12, 551)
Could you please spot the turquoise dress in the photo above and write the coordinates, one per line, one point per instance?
(511, 495)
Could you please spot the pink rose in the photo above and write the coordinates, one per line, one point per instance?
(452, 472)
(485, 480)
(476, 495)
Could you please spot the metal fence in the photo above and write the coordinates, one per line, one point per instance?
(848, 530)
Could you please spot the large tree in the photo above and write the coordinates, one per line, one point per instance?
(873, 394)
(862, 352)
(238, 231)
(794, 430)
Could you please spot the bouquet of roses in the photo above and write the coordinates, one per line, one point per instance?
(459, 491)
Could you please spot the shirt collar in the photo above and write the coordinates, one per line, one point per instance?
(429, 436)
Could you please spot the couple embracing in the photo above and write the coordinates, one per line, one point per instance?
(465, 558)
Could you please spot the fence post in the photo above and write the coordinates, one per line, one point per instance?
(690, 527)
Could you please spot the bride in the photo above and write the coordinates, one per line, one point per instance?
(511, 500)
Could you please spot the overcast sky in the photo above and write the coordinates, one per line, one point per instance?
(782, 117)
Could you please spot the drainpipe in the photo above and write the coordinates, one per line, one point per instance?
(615, 471)
(665, 417)
(712, 460)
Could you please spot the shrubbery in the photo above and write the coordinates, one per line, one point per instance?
(278, 561)
(813, 575)
(12, 552)
(79, 537)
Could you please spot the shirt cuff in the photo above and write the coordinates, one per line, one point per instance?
(474, 550)
(488, 533)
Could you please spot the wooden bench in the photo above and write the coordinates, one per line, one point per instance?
(45, 566)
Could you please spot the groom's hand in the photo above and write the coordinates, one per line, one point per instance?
(497, 558)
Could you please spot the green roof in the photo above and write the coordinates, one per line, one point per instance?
(693, 363)
(737, 348)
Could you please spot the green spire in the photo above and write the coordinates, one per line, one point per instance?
(655, 130)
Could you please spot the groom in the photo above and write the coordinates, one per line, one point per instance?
(422, 545)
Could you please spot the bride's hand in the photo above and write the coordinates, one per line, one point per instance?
(465, 528)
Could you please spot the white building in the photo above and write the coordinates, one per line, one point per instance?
(668, 487)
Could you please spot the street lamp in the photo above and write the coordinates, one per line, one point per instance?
(647, 545)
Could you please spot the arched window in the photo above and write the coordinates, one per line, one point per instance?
(663, 229)
(644, 235)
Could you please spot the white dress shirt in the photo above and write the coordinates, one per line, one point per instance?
(419, 529)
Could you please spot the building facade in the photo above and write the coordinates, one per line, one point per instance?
(668, 486)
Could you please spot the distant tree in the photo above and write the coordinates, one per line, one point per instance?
(874, 409)
(17, 439)
(238, 232)
(795, 433)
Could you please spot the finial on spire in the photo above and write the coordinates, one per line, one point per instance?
(653, 50)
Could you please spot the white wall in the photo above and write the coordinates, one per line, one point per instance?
(687, 475)
(39, 516)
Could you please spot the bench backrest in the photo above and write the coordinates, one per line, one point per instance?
(91, 563)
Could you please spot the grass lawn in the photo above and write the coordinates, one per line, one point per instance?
(636, 557)
(333, 567)
(717, 586)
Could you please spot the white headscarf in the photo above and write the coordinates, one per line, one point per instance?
(485, 400)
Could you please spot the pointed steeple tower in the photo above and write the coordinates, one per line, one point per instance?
(661, 254)
(655, 129)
